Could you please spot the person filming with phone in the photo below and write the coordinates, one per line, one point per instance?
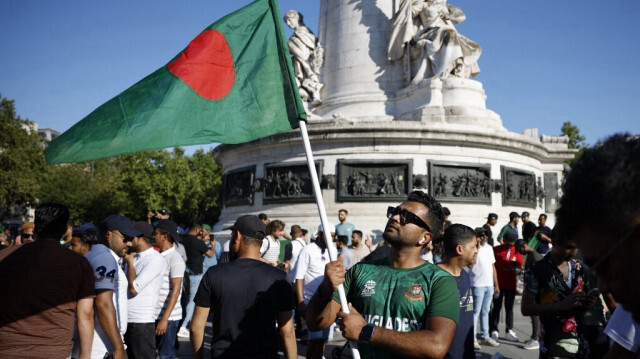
(557, 289)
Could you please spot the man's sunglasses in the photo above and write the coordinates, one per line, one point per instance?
(406, 217)
(125, 239)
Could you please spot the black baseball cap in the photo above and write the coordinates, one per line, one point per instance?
(164, 211)
(525, 214)
(145, 228)
(513, 215)
(250, 226)
(170, 227)
(118, 222)
(492, 216)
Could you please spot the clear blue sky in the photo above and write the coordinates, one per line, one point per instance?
(543, 62)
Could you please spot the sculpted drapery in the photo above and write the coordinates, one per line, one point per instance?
(424, 37)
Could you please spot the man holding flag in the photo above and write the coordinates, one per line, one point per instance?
(401, 305)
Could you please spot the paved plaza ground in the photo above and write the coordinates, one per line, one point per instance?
(506, 349)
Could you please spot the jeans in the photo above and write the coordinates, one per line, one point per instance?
(509, 296)
(481, 306)
(140, 340)
(535, 327)
(189, 294)
(166, 343)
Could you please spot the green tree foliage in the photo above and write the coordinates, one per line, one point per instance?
(186, 185)
(21, 158)
(576, 140)
(135, 183)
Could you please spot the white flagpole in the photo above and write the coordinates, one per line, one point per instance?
(325, 223)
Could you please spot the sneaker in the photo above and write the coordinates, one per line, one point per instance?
(531, 344)
(490, 342)
(183, 332)
(511, 336)
(476, 346)
(494, 335)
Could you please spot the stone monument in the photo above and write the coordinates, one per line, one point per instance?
(393, 107)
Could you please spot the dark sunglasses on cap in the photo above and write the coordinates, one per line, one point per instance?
(406, 217)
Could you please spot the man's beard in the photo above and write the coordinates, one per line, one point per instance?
(232, 250)
(390, 237)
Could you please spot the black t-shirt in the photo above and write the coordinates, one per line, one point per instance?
(195, 250)
(245, 296)
(543, 247)
(489, 234)
(462, 344)
(528, 229)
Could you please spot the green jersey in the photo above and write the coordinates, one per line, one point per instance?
(399, 299)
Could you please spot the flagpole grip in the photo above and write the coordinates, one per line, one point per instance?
(325, 223)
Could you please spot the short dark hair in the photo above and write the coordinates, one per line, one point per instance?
(262, 216)
(602, 187)
(358, 233)
(195, 224)
(88, 236)
(435, 217)
(250, 240)
(51, 220)
(455, 235)
(343, 239)
(343, 210)
(542, 215)
(509, 237)
(446, 211)
(296, 229)
(275, 225)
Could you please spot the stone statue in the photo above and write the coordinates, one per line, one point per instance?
(424, 37)
(306, 57)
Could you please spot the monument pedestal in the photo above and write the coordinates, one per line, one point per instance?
(375, 139)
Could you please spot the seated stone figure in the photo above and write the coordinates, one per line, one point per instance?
(423, 35)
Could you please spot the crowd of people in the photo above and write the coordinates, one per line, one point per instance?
(430, 288)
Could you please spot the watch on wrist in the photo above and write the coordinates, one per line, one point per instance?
(366, 333)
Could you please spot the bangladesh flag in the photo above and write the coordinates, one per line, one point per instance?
(233, 83)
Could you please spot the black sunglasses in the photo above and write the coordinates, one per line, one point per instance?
(26, 235)
(406, 217)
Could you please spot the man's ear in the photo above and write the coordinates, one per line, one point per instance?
(459, 250)
(425, 239)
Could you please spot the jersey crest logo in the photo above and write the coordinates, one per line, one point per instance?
(414, 293)
(369, 289)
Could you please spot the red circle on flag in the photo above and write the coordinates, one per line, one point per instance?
(206, 65)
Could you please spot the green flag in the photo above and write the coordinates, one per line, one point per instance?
(233, 83)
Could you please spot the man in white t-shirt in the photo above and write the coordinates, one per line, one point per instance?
(309, 274)
(484, 283)
(169, 308)
(292, 252)
(107, 336)
(145, 271)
